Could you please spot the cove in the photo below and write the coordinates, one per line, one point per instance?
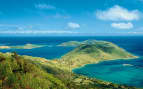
(128, 72)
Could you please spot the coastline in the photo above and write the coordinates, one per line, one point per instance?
(85, 68)
(58, 60)
(53, 64)
(106, 61)
(136, 57)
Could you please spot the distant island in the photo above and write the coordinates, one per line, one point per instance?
(27, 72)
(26, 46)
(70, 43)
(77, 43)
(5, 47)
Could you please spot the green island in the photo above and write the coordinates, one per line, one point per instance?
(27, 72)
(26, 46)
(70, 43)
(78, 43)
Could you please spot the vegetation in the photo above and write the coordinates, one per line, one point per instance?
(94, 52)
(78, 43)
(70, 43)
(18, 72)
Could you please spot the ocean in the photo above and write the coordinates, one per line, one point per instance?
(128, 72)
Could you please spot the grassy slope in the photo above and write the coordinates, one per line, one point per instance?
(19, 73)
(94, 53)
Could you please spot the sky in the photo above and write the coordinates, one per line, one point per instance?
(71, 17)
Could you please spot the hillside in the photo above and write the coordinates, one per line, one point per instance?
(94, 52)
(21, 72)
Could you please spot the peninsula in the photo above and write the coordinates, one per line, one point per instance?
(93, 52)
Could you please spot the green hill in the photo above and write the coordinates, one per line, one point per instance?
(94, 52)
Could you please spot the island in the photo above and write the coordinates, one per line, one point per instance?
(4, 47)
(26, 46)
(70, 43)
(27, 72)
(77, 43)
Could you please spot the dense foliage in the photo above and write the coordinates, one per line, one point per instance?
(17, 73)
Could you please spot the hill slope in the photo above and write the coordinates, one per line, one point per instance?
(19, 73)
(94, 52)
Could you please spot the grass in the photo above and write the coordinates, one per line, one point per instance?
(94, 53)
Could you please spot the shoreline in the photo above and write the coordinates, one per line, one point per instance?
(107, 61)
(42, 59)
(46, 62)
(108, 81)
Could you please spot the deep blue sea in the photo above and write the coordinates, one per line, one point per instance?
(128, 72)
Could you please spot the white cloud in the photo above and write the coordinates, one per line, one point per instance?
(122, 25)
(117, 13)
(73, 25)
(45, 6)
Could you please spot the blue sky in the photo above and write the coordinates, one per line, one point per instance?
(71, 17)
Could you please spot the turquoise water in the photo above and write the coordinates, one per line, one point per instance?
(128, 72)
